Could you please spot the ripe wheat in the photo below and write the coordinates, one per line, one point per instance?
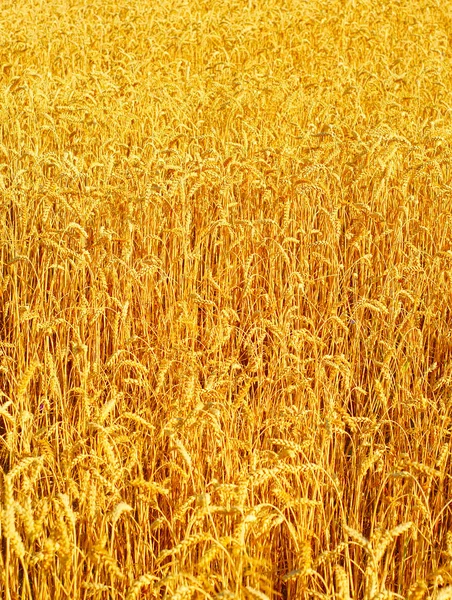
(225, 299)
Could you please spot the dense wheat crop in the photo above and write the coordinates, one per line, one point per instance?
(225, 299)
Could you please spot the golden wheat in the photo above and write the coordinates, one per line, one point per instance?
(225, 299)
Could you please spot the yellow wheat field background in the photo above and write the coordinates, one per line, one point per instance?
(225, 299)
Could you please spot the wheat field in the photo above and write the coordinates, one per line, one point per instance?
(225, 299)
